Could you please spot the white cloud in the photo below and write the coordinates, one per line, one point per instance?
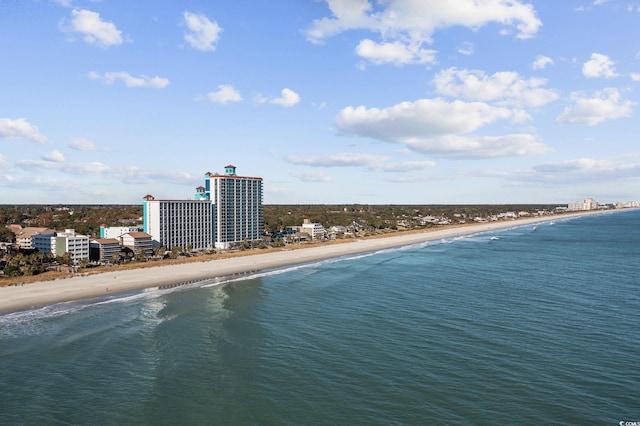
(54, 157)
(20, 128)
(64, 3)
(6, 180)
(541, 62)
(436, 127)
(371, 162)
(94, 29)
(407, 166)
(635, 76)
(338, 160)
(586, 169)
(412, 23)
(581, 164)
(312, 176)
(466, 48)
(599, 66)
(580, 171)
(3, 163)
(134, 174)
(507, 88)
(287, 98)
(201, 34)
(55, 162)
(395, 53)
(604, 105)
(226, 93)
(129, 80)
(82, 144)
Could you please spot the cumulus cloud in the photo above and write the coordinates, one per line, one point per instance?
(56, 162)
(129, 80)
(312, 176)
(412, 23)
(635, 76)
(82, 144)
(599, 66)
(135, 174)
(225, 94)
(439, 128)
(371, 162)
(572, 171)
(20, 129)
(587, 169)
(287, 98)
(395, 53)
(93, 29)
(541, 62)
(201, 34)
(338, 160)
(54, 156)
(604, 105)
(505, 88)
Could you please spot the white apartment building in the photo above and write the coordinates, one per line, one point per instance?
(118, 231)
(226, 211)
(316, 230)
(587, 204)
(237, 207)
(179, 223)
(59, 243)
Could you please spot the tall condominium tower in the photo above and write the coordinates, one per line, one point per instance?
(226, 211)
(178, 223)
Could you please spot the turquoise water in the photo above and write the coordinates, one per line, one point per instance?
(539, 326)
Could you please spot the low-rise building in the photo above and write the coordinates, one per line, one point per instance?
(118, 231)
(138, 241)
(60, 242)
(45, 242)
(24, 236)
(315, 230)
(103, 249)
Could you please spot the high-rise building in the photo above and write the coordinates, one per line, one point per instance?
(178, 223)
(237, 207)
(226, 211)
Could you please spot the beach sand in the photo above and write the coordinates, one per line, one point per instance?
(16, 298)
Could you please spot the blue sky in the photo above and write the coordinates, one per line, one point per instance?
(329, 101)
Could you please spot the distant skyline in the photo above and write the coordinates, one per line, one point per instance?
(329, 101)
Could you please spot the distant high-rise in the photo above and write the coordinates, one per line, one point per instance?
(226, 211)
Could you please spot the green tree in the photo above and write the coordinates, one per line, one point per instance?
(65, 259)
(6, 235)
(140, 256)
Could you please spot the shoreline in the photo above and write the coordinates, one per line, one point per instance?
(41, 293)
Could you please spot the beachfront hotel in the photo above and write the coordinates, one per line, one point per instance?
(226, 211)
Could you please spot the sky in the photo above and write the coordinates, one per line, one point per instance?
(329, 101)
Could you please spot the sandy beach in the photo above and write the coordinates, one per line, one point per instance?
(16, 298)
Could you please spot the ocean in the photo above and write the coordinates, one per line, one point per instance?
(530, 325)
